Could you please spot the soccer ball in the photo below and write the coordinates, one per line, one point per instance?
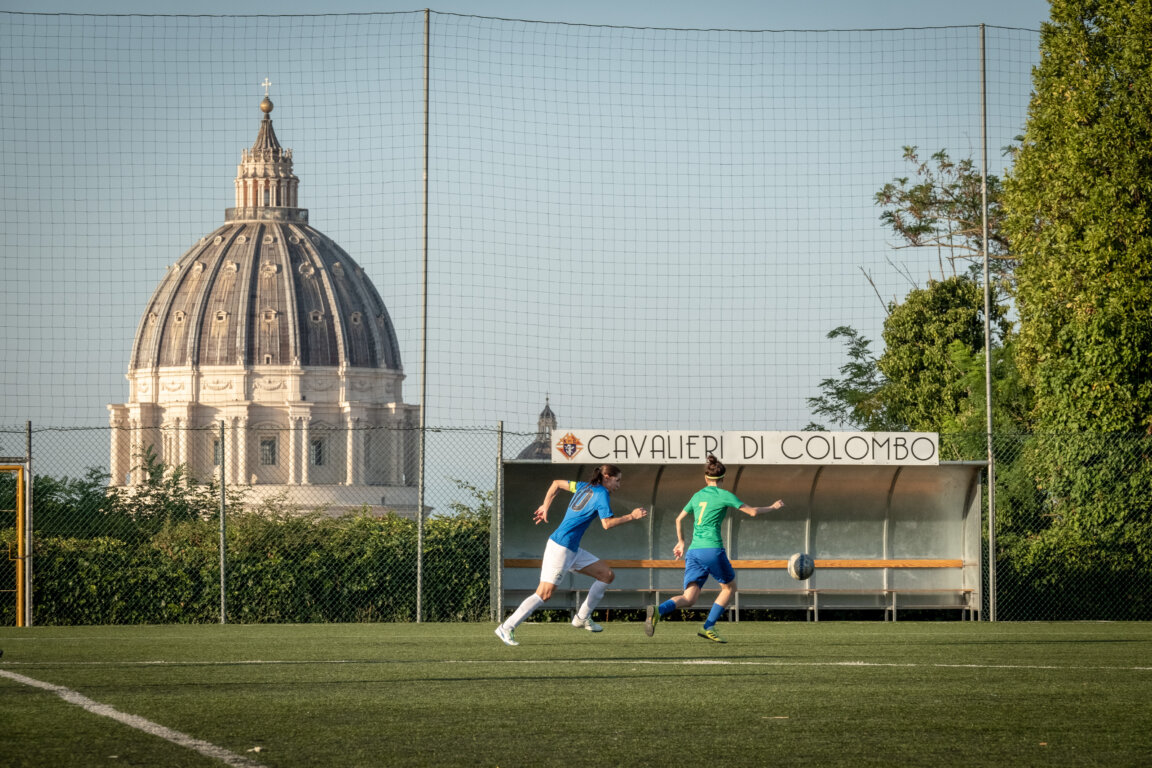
(800, 566)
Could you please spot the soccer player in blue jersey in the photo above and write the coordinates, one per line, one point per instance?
(563, 552)
(706, 555)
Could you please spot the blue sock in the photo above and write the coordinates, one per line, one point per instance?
(666, 607)
(714, 615)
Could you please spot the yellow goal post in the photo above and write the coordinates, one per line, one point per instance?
(20, 557)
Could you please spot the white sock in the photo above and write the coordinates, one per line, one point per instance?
(595, 592)
(531, 603)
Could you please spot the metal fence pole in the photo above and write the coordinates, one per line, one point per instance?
(223, 544)
(498, 530)
(987, 334)
(28, 483)
(423, 338)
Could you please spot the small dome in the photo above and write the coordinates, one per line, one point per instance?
(541, 447)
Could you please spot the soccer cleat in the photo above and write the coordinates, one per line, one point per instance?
(506, 635)
(708, 633)
(587, 623)
(651, 620)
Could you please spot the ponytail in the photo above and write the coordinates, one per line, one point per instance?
(714, 470)
(603, 471)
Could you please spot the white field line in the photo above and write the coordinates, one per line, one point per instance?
(139, 723)
(657, 662)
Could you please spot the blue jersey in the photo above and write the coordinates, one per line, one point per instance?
(588, 502)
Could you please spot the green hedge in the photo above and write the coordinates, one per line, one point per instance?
(281, 568)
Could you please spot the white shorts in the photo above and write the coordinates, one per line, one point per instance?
(558, 560)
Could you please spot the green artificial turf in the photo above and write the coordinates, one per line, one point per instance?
(794, 693)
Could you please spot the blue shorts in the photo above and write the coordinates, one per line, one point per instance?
(699, 564)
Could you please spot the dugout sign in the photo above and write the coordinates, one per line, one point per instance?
(591, 446)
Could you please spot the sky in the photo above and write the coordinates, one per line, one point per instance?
(661, 146)
(726, 14)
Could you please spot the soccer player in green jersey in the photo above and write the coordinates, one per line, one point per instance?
(706, 556)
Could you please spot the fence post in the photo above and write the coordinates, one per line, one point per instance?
(987, 335)
(28, 483)
(223, 557)
(423, 329)
(497, 524)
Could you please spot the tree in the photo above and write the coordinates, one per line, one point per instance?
(925, 388)
(855, 400)
(923, 379)
(1078, 206)
(942, 207)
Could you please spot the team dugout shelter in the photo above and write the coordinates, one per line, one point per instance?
(889, 525)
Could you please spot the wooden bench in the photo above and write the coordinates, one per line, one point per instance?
(889, 597)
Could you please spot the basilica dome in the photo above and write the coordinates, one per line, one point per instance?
(266, 356)
(266, 288)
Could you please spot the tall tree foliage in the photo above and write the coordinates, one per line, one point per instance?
(1078, 214)
(1078, 206)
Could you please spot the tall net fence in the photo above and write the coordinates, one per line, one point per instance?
(640, 228)
(653, 228)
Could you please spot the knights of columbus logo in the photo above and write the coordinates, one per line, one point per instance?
(569, 446)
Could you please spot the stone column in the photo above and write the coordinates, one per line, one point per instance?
(361, 455)
(133, 451)
(183, 439)
(121, 448)
(306, 443)
(293, 458)
(395, 453)
(352, 456)
(242, 451)
(231, 466)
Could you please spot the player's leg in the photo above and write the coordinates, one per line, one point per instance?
(722, 570)
(686, 600)
(554, 565)
(727, 590)
(695, 574)
(658, 613)
(603, 575)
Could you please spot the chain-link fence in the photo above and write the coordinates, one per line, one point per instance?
(146, 547)
(1073, 526)
(1073, 522)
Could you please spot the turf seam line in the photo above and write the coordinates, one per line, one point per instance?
(673, 662)
(139, 723)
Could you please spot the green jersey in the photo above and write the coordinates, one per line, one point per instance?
(708, 508)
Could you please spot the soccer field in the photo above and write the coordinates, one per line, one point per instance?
(794, 693)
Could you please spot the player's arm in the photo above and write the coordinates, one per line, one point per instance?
(612, 522)
(753, 511)
(678, 550)
(541, 514)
